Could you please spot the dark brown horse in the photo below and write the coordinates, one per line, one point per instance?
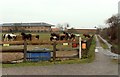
(26, 36)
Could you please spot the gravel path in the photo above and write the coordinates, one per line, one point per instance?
(102, 65)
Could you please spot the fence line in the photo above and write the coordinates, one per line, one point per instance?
(84, 52)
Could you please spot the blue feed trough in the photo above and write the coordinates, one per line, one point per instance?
(39, 54)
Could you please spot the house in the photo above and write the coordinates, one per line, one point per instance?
(28, 27)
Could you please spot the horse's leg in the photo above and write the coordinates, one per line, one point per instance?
(5, 39)
(30, 38)
(12, 38)
(50, 38)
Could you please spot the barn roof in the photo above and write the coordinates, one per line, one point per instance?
(26, 24)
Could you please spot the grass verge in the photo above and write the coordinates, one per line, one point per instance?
(91, 53)
(102, 43)
(115, 49)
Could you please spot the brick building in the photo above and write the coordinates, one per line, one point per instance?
(28, 27)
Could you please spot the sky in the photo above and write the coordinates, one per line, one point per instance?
(77, 13)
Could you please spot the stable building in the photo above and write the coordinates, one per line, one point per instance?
(27, 27)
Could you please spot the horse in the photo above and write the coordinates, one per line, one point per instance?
(55, 36)
(69, 35)
(72, 36)
(63, 36)
(8, 37)
(86, 35)
(26, 36)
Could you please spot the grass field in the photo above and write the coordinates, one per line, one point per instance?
(43, 36)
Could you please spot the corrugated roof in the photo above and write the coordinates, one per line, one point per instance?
(27, 24)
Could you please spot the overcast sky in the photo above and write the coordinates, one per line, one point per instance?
(78, 13)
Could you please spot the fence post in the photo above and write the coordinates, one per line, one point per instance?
(25, 50)
(80, 47)
(54, 51)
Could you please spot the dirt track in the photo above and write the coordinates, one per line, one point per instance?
(102, 65)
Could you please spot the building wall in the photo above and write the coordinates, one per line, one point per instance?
(26, 28)
(0, 28)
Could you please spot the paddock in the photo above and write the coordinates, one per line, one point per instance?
(63, 50)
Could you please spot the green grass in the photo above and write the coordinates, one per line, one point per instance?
(91, 53)
(44, 63)
(115, 49)
(116, 61)
(102, 43)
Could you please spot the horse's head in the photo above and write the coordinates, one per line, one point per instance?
(64, 32)
(84, 34)
(22, 33)
(53, 34)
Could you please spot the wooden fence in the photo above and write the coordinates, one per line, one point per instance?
(84, 52)
(85, 45)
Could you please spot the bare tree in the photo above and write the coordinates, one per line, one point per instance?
(113, 22)
(63, 27)
(60, 26)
